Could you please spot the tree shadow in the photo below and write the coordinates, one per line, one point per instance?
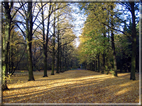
(81, 90)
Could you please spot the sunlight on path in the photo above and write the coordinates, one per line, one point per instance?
(73, 86)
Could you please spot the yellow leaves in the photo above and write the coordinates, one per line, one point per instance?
(73, 86)
(122, 91)
(18, 81)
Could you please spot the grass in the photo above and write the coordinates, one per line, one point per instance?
(73, 86)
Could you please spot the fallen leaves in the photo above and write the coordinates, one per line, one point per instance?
(74, 86)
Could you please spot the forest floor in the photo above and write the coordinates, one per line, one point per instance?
(73, 86)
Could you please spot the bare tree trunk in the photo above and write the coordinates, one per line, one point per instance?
(58, 52)
(53, 41)
(113, 45)
(60, 61)
(133, 57)
(5, 43)
(65, 57)
(98, 63)
(104, 53)
(44, 44)
(29, 25)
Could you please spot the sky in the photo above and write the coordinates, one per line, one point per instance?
(78, 22)
(80, 18)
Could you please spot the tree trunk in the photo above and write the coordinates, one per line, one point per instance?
(53, 40)
(94, 65)
(113, 45)
(58, 59)
(98, 63)
(133, 57)
(104, 55)
(30, 66)
(60, 55)
(29, 25)
(11, 56)
(65, 57)
(5, 43)
(53, 59)
(4, 66)
(45, 60)
(44, 45)
(58, 48)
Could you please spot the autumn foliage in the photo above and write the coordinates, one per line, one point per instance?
(73, 86)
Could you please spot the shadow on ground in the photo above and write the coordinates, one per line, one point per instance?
(75, 86)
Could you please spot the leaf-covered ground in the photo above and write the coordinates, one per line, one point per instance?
(73, 86)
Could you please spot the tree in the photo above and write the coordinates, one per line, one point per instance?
(58, 40)
(133, 58)
(113, 44)
(96, 31)
(16, 53)
(7, 29)
(132, 7)
(25, 25)
(53, 46)
(5, 42)
(49, 33)
(29, 29)
(45, 41)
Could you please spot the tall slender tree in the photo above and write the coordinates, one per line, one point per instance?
(133, 57)
(58, 51)
(113, 44)
(53, 42)
(29, 29)
(6, 41)
(45, 37)
(132, 7)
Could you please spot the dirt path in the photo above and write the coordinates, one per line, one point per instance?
(74, 86)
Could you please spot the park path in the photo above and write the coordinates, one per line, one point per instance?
(73, 86)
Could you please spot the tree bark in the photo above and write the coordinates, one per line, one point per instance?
(6, 43)
(53, 54)
(44, 45)
(65, 57)
(98, 63)
(113, 45)
(60, 59)
(133, 57)
(104, 53)
(58, 52)
(29, 25)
